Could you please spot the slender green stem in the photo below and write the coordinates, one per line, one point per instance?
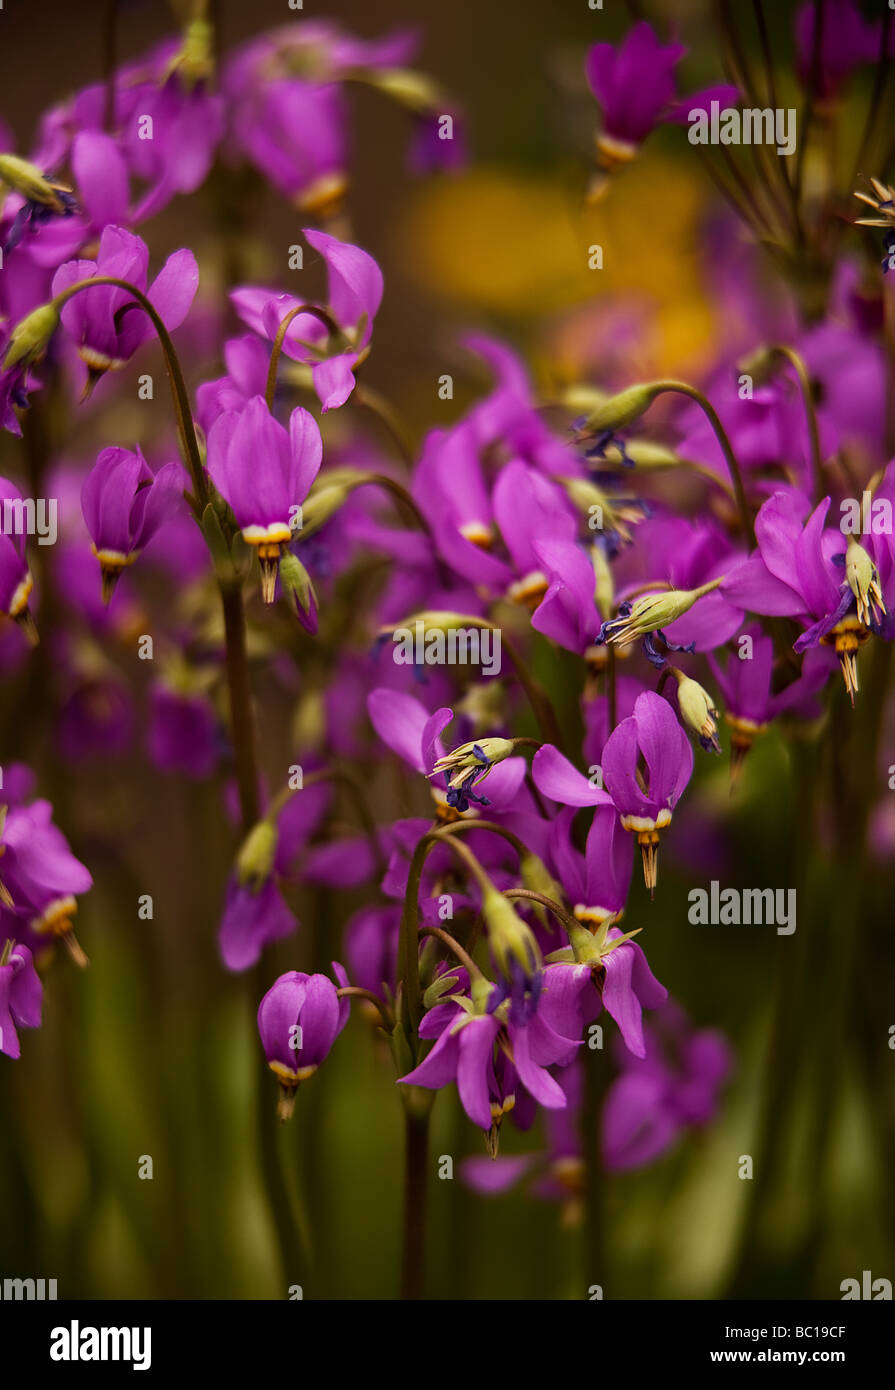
(356, 992)
(559, 912)
(186, 428)
(454, 946)
(377, 405)
(317, 313)
(683, 388)
(241, 720)
(416, 1154)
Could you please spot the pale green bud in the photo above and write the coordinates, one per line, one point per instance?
(698, 711)
(863, 580)
(655, 611)
(537, 877)
(509, 936)
(254, 861)
(463, 760)
(29, 339)
(296, 581)
(412, 89)
(329, 493)
(27, 179)
(621, 410)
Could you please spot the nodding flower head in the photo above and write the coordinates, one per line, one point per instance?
(265, 472)
(468, 765)
(124, 503)
(299, 1019)
(20, 995)
(44, 197)
(516, 954)
(698, 712)
(645, 800)
(103, 320)
(863, 580)
(651, 614)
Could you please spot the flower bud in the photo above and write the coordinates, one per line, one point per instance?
(254, 861)
(623, 409)
(194, 60)
(511, 939)
(644, 454)
(25, 178)
(28, 340)
(329, 493)
(537, 877)
(473, 757)
(698, 712)
(412, 89)
(604, 585)
(297, 585)
(863, 580)
(299, 1019)
(652, 612)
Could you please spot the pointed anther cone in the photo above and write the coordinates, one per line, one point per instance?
(269, 565)
(739, 749)
(648, 841)
(286, 1102)
(75, 950)
(26, 622)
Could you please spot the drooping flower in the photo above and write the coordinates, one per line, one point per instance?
(596, 883)
(354, 293)
(635, 87)
(645, 801)
(183, 732)
(673, 1086)
(124, 503)
(750, 700)
(797, 571)
(21, 995)
(602, 967)
(299, 1019)
(16, 582)
(105, 331)
(40, 875)
(265, 472)
(469, 1041)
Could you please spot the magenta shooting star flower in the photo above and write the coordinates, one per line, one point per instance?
(299, 1019)
(105, 323)
(16, 582)
(805, 571)
(635, 86)
(601, 968)
(21, 995)
(124, 504)
(354, 294)
(40, 876)
(470, 1039)
(265, 473)
(645, 801)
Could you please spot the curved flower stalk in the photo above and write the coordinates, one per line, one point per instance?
(331, 344)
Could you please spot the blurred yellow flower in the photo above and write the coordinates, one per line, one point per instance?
(516, 245)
